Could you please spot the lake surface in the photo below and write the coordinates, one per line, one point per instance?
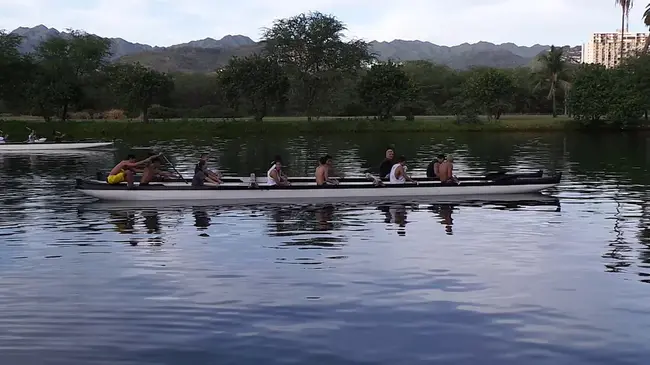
(561, 279)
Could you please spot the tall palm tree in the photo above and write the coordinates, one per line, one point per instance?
(626, 6)
(646, 21)
(554, 73)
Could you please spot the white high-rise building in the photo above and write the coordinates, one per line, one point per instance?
(605, 48)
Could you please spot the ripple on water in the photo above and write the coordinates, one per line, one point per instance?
(557, 281)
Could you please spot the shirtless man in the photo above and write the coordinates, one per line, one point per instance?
(152, 171)
(123, 171)
(446, 171)
(433, 169)
(322, 172)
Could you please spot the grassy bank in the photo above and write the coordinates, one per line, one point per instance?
(109, 129)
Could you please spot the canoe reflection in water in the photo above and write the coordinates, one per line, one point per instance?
(309, 226)
(444, 212)
(201, 218)
(396, 213)
(126, 222)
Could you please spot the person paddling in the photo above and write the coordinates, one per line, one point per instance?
(433, 169)
(214, 177)
(446, 172)
(322, 172)
(387, 164)
(123, 171)
(398, 172)
(152, 172)
(202, 175)
(58, 136)
(31, 138)
(275, 177)
(3, 136)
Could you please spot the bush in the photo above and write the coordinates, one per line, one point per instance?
(208, 111)
(161, 112)
(611, 93)
(114, 114)
(79, 116)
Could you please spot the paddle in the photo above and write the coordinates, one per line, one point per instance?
(174, 168)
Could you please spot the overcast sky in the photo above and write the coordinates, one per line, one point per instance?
(166, 22)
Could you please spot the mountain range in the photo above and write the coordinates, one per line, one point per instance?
(208, 54)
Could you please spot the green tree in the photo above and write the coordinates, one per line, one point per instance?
(65, 64)
(612, 94)
(258, 81)
(491, 90)
(312, 50)
(432, 85)
(526, 98)
(639, 69)
(553, 74)
(195, 90)
(383, 87)
(140, 87)
(10, 60)
(626, 99)
(590, 93)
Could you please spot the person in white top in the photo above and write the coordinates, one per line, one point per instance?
(398, 172)
(274, 176)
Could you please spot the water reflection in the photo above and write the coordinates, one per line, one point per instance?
(124, 221)
(151, 221)
(444, 211)
(325, 226)
(396, 214)
(201, 218)
(527, 276)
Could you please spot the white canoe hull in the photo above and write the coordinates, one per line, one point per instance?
(60, 146)
(305, 192)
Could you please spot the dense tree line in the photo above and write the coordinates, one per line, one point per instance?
(308, 69)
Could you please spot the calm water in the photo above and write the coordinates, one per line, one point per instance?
(558, 280)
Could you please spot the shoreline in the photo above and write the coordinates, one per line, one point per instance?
(298, 125)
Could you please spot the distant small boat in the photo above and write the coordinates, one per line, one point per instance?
(42, 145)
(241, 192)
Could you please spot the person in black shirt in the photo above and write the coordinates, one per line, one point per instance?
(387, 164)
(434, 166)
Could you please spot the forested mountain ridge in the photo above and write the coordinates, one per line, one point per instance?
(207, 54)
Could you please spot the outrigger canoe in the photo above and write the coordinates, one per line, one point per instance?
(307, 190)
(50, 146)
(101, 175)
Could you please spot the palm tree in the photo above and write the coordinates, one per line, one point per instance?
(626, 6)
(554, 73)
(646, 21)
